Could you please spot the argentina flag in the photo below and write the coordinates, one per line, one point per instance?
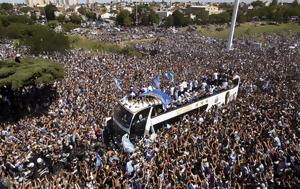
(118, 84)
(169, 75)
(156, 82)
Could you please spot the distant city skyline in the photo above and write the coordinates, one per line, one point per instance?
(107, 1)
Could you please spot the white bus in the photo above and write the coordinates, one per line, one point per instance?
(146, 114)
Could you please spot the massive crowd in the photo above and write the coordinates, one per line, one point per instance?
(251, 143)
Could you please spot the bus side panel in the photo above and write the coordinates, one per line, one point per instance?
(149, 123)
(222, 98)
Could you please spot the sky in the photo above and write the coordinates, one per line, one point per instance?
(105, 1)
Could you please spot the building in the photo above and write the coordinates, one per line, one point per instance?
(38, 3)
(89, 2)
(211, 9)
(42, 3)
(29, 3)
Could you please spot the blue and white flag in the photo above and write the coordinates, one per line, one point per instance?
(266, 85)
(156, 82)
(169, 75)
(99, 161)
(118, 84)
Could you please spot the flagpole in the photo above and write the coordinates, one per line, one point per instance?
(233, 22)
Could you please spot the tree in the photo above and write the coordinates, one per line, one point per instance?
(295, 4)
(9, 19)
(75, 19)
(221, 18)
(146, 15)
(180, 19)
(274, 3)
(15, 76)
(91, 15)
(241, 17)
(49, 11)
(169, 21)
(52, 24)
(202, 17)
(37, 38)
(82, 10)
(26, 9)
(37, 75)
(257, 4)
(61, 18)
(7, 6)
(123, 18)
(44, 39)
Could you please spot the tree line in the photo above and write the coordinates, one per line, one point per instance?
(274, 12)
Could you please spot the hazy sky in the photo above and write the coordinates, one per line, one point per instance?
(104, 1)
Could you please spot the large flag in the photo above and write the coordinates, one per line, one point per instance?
(118, 84)
(156, 82)
(169, 75)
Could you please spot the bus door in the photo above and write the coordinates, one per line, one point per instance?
(139, 122)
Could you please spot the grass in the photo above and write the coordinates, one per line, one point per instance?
(249, 29)
(89, 44)
(29, 72)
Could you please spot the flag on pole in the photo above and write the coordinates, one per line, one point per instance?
(99, 161)
(156, 82)
(169, 75)
(118, 84)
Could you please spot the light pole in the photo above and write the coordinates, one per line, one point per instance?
(136, 14)
(233, 21)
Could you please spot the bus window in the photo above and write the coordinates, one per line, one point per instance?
(122, 115)
(157, 110)
(236, 81)
(139, 123)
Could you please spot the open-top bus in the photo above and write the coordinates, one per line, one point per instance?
(142, 116)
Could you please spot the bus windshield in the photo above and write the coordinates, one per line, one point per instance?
(123, 116)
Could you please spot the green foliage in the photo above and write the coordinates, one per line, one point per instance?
(26, 9)
(202, 17)
(89, 14)
(295, 4)
(241, 17)
(44, 39)
(52, 24)
(82, 10)
(258, 4)
(49, 11)
(169, 21)
(276, 13)
(221, 18)
(88, 44)
(29, 72)
(123, 18)
(6, 20)
(75, 19)
(145, 14)
(180, 19)
(37, 37)
(249, 29)
(274, 3)
(61, 18)
(6, 6)
(67, 27)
